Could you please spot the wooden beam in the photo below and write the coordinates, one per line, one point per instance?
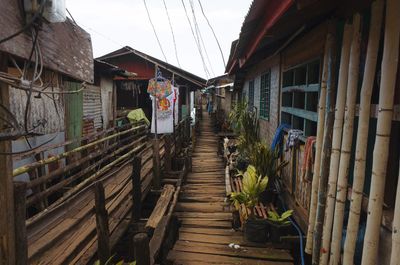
(137, 189)
(156, 164)
(7, 236)
(161, 208)
(103, 233)
(21, 239)
(141, 248)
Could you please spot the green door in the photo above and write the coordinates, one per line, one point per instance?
(73, 112)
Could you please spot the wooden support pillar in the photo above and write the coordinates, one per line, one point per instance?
(103, 233)
(7, 234)
(141, 249)
(168, 154)
(156, 164)
(137, 188)
(21, 239)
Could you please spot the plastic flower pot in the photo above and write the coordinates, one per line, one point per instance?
(255, 230)
(276, 230)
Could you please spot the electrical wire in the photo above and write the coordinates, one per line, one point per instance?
(196, 41)
(173, 35)
(154, 30)
(37, 14)
(212, 29)
(199, 36)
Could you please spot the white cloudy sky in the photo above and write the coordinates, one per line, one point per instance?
(113, 24)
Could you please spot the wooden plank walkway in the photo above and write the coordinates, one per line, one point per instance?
(206, 217)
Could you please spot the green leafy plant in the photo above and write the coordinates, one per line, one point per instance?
(266, 161)
(282, 219)
(236, 115)
(253, 185)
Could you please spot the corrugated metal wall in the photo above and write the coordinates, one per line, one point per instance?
(73, 110)
(92, 110)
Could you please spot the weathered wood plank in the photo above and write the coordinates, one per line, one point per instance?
(161, 207)
(244, 252)
(183, 257)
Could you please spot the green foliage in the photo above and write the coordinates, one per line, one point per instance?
(280, 219)
(253, 185)
(266, 160)
(245, 123)
(236, 115)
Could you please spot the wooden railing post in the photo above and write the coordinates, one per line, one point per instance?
(156, 164)
(136, 188)
(21, 239)
(103, 233)
(167, 157)
(141, 249)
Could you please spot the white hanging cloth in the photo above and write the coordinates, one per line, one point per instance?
(165, 122)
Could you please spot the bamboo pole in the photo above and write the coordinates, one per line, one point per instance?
(347, 141)
(318, 149)
(384, 125)
(62, 184)
(27, 168)
(94, 176)
(336, 141)
(362, 131)
(327, 144)
(395, 257)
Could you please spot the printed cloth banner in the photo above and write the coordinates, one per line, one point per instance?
(159, 87)
(176, 104)
(165, 121)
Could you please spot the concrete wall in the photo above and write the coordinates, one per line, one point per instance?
(267, 127)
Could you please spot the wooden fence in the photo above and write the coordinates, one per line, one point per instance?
(65, 214)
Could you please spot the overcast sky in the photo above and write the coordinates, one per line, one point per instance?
(113, 24)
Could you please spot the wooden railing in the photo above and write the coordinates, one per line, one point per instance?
(86, 205)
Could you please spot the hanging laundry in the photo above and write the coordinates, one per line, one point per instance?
(159, 87)
(165, 121)
(279, 135)
(308, 158)
(293, 138)
(138, 115)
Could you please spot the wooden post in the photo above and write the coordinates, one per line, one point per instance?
(156, 164)
(141, 249)
(168, 158)
(7, 234)
(103, 233)
(21, 239)
(137, 188)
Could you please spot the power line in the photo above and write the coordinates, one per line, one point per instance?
(173, 35)
(196, 41)
(212, 29)
(154, 30)
(199, 36)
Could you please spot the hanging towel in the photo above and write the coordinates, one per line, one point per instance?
(308, 158)
(293, 138)
(138, 115)
(279, 135)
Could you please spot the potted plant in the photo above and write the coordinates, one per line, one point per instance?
(253, 185)
(278, 225)
(266, 161)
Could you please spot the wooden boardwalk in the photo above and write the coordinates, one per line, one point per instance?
(206, 217)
